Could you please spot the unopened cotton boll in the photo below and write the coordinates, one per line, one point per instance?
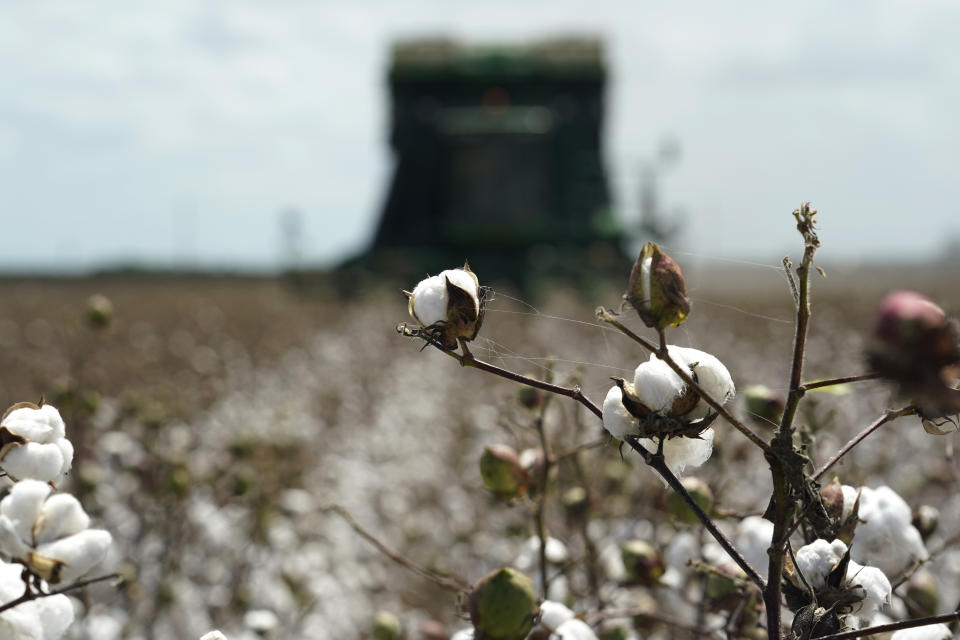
(33, 443)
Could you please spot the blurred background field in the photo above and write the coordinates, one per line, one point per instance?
(216, 417)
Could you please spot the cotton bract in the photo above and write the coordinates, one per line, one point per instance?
(49, 534)
(33, 444)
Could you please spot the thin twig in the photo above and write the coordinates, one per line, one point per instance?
(467, 359)
(447, 582)
(541, 510)
(657, 462)
(832, 382)
(684, 374)
(597, 617)
(586, 446)
(888, 416)
(29, 594)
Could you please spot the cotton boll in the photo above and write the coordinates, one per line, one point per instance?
(817, 559)
(529, 556)
(463, 634)
(39, 449)
(430, 295)
(465, 280)
(574, 630)
(66, 559)
(657, 385)
(216, 634)
(20, 624)
(712, 376)
(929, 632)
(34, 460)
(752, 538)
(22, 506)
(40, 424)
(553, 614)
(55, 614)
(680, 453)
(849, 499)
(885, 537)
(876, 588)
(430, 300)
(616, 419)
(60, 516)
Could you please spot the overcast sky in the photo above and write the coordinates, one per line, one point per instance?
(178, 131)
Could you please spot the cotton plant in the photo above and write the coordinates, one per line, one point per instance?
(45, 534)
(849, 542)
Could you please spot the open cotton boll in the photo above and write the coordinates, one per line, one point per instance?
(885, 536)
(817, 559)
(710, 374)
(680, 453)
(49, 535)
(553, 614)
(573, 629)
(463, 634)
(752, 538)
(66, 559)
(929, 632)
(875, 585)
(39, 424)
(616, 419)
(529, 556)
(61, 516)
(36, 445)
(42, 619)
(657, 385)
(430, 295)
(430, 300)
